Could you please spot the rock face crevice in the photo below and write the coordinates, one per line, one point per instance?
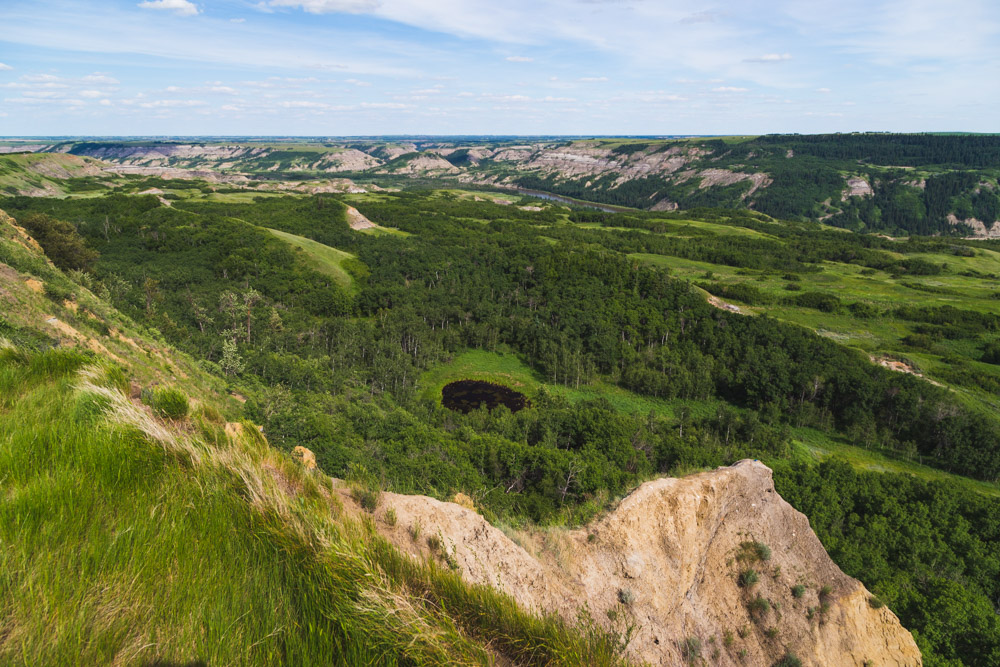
(673, 550)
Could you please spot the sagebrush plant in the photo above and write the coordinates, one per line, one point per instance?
(263, 572)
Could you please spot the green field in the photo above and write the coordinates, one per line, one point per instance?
(328, 261)
(510, 370)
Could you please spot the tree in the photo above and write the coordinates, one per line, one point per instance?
(60, 241)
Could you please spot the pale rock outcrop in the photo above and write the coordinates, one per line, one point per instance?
(674, 546)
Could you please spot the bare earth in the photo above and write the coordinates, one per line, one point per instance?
(673, 545)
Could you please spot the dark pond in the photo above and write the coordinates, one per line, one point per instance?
(468, 395)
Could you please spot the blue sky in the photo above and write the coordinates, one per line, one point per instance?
(361, 67)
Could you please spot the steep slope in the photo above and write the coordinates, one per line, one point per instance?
(660, 571)
(141, 527)
(667, 562)
(42, 174)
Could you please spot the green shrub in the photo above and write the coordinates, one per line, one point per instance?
(759, 605)
(788, 660)
(167, 402)
(691, 649)
(754, 551)
(367, 498)
(798, 590)
(57, 293)
(60, 241)
(626, 596)
(875, 603)
(748, 578)
(390, 517)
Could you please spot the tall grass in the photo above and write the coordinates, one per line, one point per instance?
(127, 541)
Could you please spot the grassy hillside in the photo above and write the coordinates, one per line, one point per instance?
(141, 527)
(50, 174)
(634, 374)
(323, 258)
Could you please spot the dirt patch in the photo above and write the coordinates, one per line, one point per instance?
(719, 303)
(35, 285)
(856, 187)
(357, 221)
(901, 367)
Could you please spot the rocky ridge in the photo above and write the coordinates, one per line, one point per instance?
(666, 563)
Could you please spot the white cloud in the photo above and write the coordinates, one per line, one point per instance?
(179, 7)
(224, 89)
(98, 77)
(4, 67)
(328, 6)
(592, 79)
(90, 93)
(237, 20)
(105, 103)
(769, 58)
(519, 59)
(156, 104)
(357, 83)
(729, 89)
(701, 17)
(822, 90)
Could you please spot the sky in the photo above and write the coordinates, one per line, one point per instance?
(524, 67)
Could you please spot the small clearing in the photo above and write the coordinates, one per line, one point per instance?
(322, 258)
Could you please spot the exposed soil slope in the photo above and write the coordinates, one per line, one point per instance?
(674, 548)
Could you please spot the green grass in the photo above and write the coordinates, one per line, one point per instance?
(328, 261)
(123, 549)
(812, 446)
(509, 370)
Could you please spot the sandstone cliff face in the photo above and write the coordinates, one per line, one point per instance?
(673, 550)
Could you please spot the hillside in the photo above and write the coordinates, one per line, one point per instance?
(628, 371)
(900, 184)
(290, 564)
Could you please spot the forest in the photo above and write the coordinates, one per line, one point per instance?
(339, 368)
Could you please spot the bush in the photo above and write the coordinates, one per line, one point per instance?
(691, 649)
(826, 303)
(798, 590)
(754, 551)
(167, 402)
(626, 596)
(788, 660)
(57, 293)
(60, 241)
(367, 498)
(748, 578)
(759, 605)
(875, 603)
